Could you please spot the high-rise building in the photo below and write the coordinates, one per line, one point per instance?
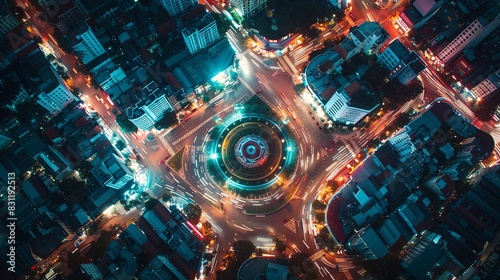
(84, 43)
(201, 34)
(470, 36)
(145, 113)
(7, 20)
(248, 8)
(177, 7)
(487, 86)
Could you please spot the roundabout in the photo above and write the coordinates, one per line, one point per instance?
(251, 153)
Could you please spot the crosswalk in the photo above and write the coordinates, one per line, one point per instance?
(275, 73)
(291, 225)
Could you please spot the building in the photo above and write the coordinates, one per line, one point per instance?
(248, 8)
(200, 34)
(266, 267)
(408, 68)
(12, 92)
(392, 55)
(487, 86)
(475, 219)
(145, 113)
(84, 43)
(7, 20)
(64, 15)
(161, 268)
(382, 207)
(401, 63)
(214, 62)
(112, 172)
(470, 36)
(368, 243)
(46, 85)
(177, 7)
(350, 103)
(418, 13)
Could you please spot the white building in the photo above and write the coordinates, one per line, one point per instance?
(84, 43)
(145, 113)
(368, 36)
(201, 34)
(487, 86)
(177, 7)
(350, 103)
(392, 55)
(470, 36)
(56, 99)
(403, 145)
(248, 8)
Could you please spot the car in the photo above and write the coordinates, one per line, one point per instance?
(78, 242)
(166, 168)
(98, 97)
(286, 74)
(259, 90)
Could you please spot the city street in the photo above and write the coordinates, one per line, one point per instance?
(320, 159)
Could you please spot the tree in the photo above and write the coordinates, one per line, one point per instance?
(395, 94)
(120, 145)
(243, 249)
(150, 203)
(74, 259)
(61, 41)
(312, 33)
(208, 232)
(205, 98)
(125, 124)
(222, 23)
(299, 88)
(318, 205)
(315, 53)
(328, 43)
(301, 266)
(98, 247)
(75, 191)
(169, 119)
(193, 212)
(375, 77)
(280, 245)
(167, 197)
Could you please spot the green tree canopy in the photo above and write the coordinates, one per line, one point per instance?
(301, 266)
(318, 205)
(280, 245)
(75, 191)
(125, 124)
(169, 119)
(150, 203)
(120, 145)
(193, 212)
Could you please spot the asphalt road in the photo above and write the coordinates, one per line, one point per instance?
(319, 158)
